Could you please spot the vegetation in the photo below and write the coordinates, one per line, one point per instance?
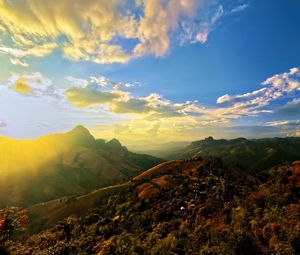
(253, 155)
(60, 165)
(185, 207)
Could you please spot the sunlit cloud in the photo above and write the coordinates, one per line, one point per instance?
(275, 88)
(198, 32)
(18, 62)
(206, 28)
(283, 123)
(32, 84)
(21, 86)
(97, 31)
(285, 127)
(97, 102)
(42, 110)
(156, 107)
(122, 102)
(89, 95)
(35, 51)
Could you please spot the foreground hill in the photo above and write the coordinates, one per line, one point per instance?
(179, 207)
(67, 164)
(253, 155)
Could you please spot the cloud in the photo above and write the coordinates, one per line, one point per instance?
(155, 107)
(32, 84)
(44, 110)
(18, 53)
(227, 98)
(101, 80)
(224, 99)
(120, 128)
(21, 86)
(275, 88)
(200, 32)
(18, 62)
(239, 8)
(155, 39)
(290, 109)
(153, 131)
(97, 100)
(132, 105)
(96, 30)
(206, 28)
(36, 51)
(283, 123)
(89, 30)
(285, 127)
(88, 93)
(77, 82)
(89, 96)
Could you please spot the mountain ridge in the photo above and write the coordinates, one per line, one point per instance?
(253, 154)
(71, 163)
(195, 206)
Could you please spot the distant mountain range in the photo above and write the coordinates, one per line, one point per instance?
(58, 165)
(89, 196)
(254, 155)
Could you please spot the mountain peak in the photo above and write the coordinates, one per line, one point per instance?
(81, 134)
(80, 129)
(114, 143)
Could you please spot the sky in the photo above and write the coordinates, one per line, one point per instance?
(150, 70)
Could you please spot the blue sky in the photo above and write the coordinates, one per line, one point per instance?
(137, 69)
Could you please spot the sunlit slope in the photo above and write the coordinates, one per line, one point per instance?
(198, 206)
(156, 180)
(19, 156)
(63, 164)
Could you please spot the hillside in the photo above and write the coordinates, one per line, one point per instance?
(200, 206)
(67, 164)
(253, 155)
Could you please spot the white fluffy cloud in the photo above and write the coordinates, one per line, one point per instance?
(96, 101)
(32, 84)
(18, 62)
(93, 30)
(275, 88)
(86, 94)
(155, 107)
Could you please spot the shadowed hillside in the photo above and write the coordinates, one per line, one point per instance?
(199, 206)
(253, 155)
(67, 164)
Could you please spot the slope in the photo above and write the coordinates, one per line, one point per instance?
(67, 164)
(183, 207)
(253, 155)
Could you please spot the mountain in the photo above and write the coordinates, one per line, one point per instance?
(253, 155)
(67, 164)
(161, 150)
(198, 206)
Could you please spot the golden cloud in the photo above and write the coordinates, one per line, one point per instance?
(85, 97)
(89, 30)
(21, 86)
(153, 106)
(32, 84)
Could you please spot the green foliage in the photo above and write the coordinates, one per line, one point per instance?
(206, 209)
